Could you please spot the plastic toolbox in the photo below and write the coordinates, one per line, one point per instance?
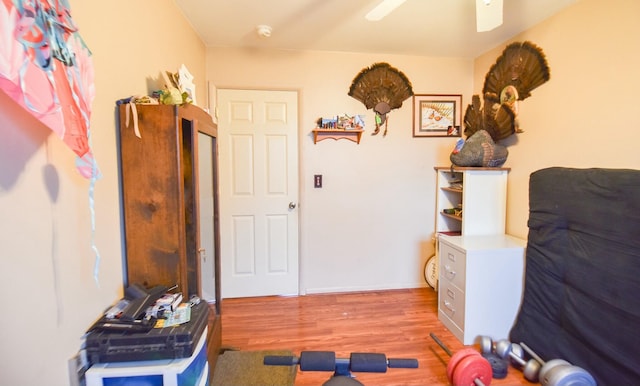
(158, 343)
(192, 371)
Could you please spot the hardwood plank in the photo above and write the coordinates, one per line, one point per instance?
(396, 323)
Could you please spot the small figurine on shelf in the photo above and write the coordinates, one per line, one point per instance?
(178, 88)
(327, 123)
(355, 122)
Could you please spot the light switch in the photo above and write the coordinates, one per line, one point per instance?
(317, 181)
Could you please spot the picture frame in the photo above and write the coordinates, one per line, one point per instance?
(437, 115)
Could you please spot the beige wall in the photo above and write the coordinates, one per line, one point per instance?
(46, 261)
(585, 116)
(370, 226)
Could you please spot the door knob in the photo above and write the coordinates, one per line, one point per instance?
(292, 205)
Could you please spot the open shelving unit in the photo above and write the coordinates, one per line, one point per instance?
(478, 197)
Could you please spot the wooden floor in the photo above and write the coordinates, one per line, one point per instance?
(396, 323)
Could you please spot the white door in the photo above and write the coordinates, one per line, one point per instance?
(258, 150)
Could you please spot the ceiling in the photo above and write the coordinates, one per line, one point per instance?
(437, 28)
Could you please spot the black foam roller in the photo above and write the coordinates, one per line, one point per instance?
(369, 362)
(317, 361)
(400, 363)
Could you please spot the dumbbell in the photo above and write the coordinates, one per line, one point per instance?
(505, 349)
(487, 346)
(500, 366)
(558, 372)
(530, 368)
(466, 367)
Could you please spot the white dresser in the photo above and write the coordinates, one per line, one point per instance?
(480, 284)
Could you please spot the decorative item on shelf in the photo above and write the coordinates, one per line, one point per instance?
(519, 70)
(456, 212)
(178, 88)
(348, 127)
(455, 184)
(382, 88)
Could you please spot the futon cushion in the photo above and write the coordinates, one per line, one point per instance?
(581, 298)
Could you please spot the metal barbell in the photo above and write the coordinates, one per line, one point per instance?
(558, 372)
(466, 367)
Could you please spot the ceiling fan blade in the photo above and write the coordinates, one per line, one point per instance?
(383, 9)
(488, 14)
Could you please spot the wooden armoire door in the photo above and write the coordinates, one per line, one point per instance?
(162, 176)
(160, 194)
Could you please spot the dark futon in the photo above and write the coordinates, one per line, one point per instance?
(581, 298)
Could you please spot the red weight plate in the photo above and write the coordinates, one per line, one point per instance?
(469, 369)
(456, 358)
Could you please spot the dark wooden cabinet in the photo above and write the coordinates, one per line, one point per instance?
(169, 185)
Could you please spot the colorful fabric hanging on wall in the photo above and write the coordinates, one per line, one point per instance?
(46, 68)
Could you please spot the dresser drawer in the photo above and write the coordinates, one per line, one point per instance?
(451, 303)
(452, 265)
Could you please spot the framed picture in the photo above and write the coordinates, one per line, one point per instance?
(437, 115)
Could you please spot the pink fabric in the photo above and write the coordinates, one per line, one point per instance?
(46, 68)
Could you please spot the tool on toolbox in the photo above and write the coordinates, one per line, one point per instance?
(466, 367)
(140, 299)
(128, 314)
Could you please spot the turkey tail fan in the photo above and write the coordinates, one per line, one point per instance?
(488, 112)
(381, 83)
(535, 59)
(473, 117)
(499, 121)
(491, 98)
(505, 123)
(522, 65)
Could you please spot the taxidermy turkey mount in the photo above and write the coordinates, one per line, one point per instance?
(382, 88)
(521, 68)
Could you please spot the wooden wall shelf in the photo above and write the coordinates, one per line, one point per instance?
(336, 134)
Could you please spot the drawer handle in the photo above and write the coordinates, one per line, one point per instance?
(451, 257)
(449, 273)
(449, 306)
(451, 294)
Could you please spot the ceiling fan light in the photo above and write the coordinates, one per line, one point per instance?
(488, 16)
(383, 9)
